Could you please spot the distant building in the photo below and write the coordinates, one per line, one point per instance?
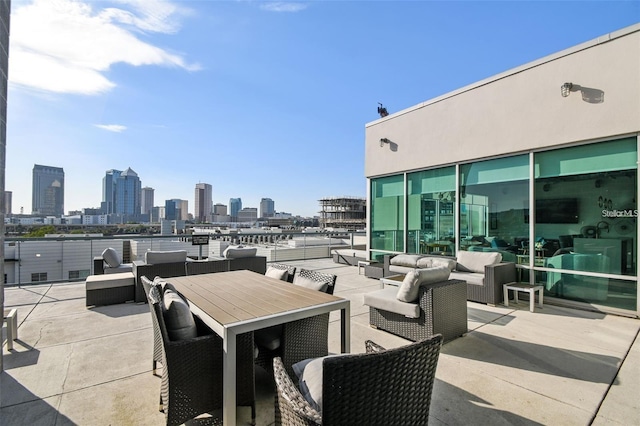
(348, 213)
(203, 202)
(176, 209)
(248, 214)
(220, 209)
(48, 190)
(235, 205)
(267, 207)
(147, 200)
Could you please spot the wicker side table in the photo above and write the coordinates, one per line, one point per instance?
(374, 270)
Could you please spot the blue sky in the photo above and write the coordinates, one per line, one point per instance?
(258, 99)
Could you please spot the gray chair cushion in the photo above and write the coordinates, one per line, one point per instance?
(279, 274)
(178, 317)
(269, 337)
(237, 252)
(169, 256)
(111, 257)
(309, 373)
(386, 300)
(408, 291)
(473, 261)
(408, 260)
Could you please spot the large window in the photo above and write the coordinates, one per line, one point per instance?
(494, 198)
(585, 221)
(387, 213)
(430, 211)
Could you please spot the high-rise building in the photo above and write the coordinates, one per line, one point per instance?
(247, 214)
(48, 191)
(109, 191)
(235, 205)
(203, 202)
(176, 209)
(128, 193)
(8, 195)
(147, 200)
(220, 209)
(267, 207)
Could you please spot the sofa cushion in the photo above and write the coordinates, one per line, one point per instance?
(178, 317)
(408, 291)
(111, 257)
(309, 283)
(386, 300)
(475, 261)
(400, 269)
(408, 260)
(171, 256)
(470, 277)
(279, 274)
(235, 252)
(443, 261)
(99, 282)
(123, 267)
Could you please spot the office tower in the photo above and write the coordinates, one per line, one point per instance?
(128, 193)
(235, 205)
(203, 202)
(176, 209)
(108, 204)
(248, 214)
(48, 191)
(267, 207)
(184, 209)
(220, 209)
(147, 200)
(8, 195)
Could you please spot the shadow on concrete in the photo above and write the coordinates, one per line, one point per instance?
(120, 310)
(16, 358)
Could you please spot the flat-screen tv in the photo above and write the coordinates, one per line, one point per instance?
(556, 210)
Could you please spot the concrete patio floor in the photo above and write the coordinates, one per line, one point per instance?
(74, 365)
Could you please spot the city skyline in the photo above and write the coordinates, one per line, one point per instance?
(254, 98)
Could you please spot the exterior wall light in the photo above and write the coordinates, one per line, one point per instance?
(565, 89)
(383, 141)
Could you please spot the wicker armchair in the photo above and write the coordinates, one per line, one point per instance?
(291, 270)
(389, 387)
(301, 339)
(192, 370)
(157, 335)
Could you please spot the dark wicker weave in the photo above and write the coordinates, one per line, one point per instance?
(494, 277)
(320, 277)
(164, 270)
(157, 335)
(192, 373)
(254, 263)
(290, 269)
(109, 296)
(207, 267)
(302, 339)
(443, 310)
(381, 387)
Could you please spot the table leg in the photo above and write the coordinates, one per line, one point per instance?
(532, 299)
(229, 378)
(515, 296)
(505, 293)
(345, 331)
(540, 297)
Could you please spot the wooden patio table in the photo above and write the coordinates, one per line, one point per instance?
(237, 302)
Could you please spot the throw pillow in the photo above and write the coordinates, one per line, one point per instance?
(409, 290)
(164, 285)
(408, 260)
(178, 317)
(309, 283)
(449, 263)
(279, 274)
(424, 262)
(473, 261)
(110, 256)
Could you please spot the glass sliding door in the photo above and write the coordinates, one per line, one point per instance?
(494, 200)
(430, 210)
(387, 213)
(585, 221)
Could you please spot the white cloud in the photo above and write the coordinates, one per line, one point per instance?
(117, 128)
(283, 6)
(67, 46)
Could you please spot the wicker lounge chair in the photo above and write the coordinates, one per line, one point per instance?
(381, 387)
(192, 370)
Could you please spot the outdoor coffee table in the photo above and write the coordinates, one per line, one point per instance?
(529, 288)
(394, 280)
(237, 302)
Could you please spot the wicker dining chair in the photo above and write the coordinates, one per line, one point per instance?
(157, 335)
(389, 387)
(291, 270)
(304, 338)
(192, 370)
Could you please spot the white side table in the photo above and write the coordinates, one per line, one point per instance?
(516, 287)
(362, 264)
